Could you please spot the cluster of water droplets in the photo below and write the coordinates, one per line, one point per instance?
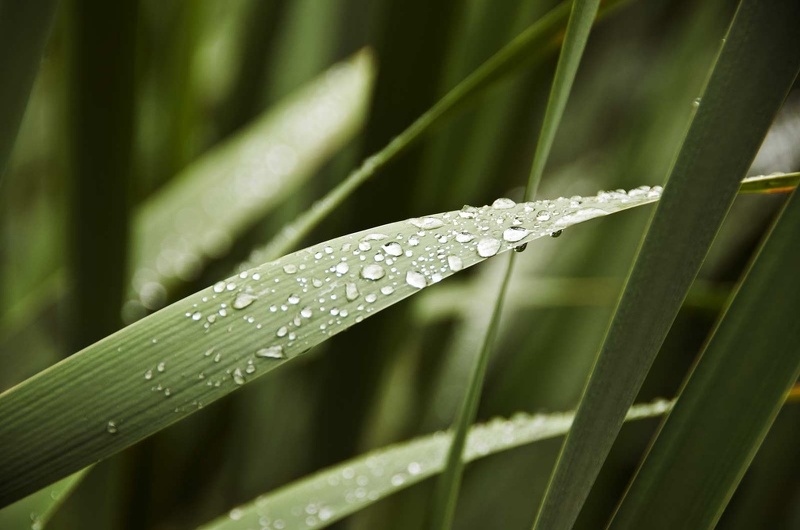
(342, 490)
(294, 303)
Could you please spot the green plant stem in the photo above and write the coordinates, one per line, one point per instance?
(577, 34)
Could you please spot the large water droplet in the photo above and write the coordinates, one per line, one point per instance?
(282, 331)
(426, 223)
(372, 272)
(464, 237)
(416, 279)
(515, 233)
(351, 291)
(455, 263)
(342, 267)
(393, 249)
(290, 268)
(271, 352)
(503, 204)
(488, 247)
(306, 312)
(243, 300)
(293, 299)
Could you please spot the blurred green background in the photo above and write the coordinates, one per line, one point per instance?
(130, 93)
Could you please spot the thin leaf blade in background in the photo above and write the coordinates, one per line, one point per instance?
(753, 73)
(334, 493)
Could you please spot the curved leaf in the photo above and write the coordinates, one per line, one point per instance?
(168, 365)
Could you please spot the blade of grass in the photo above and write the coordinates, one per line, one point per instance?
(170, 364)
(577, 34)
(36, 510)
(531, 44)
(24, 27)
(730, 399)
(752, 75)
(775, 183)
(334, 493)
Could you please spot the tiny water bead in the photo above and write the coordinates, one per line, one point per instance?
(557, 233)
(111, 427)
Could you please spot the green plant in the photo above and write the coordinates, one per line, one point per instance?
(201, 183)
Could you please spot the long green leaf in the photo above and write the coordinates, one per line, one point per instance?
(172, 363)
(577, 34)
(752, 75)
(24, 27)
(334, 493)
(731, 398)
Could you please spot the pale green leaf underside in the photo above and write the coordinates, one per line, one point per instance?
(168, 365)
(334, 493)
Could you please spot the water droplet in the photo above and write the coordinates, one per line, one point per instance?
(293, 299)
(543, 216)
(219, 287)
(521, 248)
(282, 331)
(387, 290)
(503, 204)
(455, 263)
(371, 297)
(243, 300)
(556, 233)
(416, 279)
(306, 312)
(468, 212)
(488, 247)
(393, 249)
(515, 233)
(464, 237)
(271, 352)
(351, 291)
(696, 102)
(426, 223)
(342, 267)
(161, 366)
(375, 236)
(111, 427)
(148, 375)
(197, 315)
(290, 268)
(238, 378)
(372, 272)
(364, 246)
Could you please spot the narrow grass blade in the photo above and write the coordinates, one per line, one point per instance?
(775, 183)
(530, 44)
(577, 34)
(752, 75)
(204, 208)
(35, 510)
(334, 493)
(24, 27)
(730, 399)
(172, 363)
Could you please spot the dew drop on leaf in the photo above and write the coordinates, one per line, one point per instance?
(393, 249)
(503, 204)
(426, 223)
(271, 352)
(455, 263)
(416, 279)
(372, 272)
(243, 300)
(238, 378)
(351, 291)
(488, 247)
(515, 233)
